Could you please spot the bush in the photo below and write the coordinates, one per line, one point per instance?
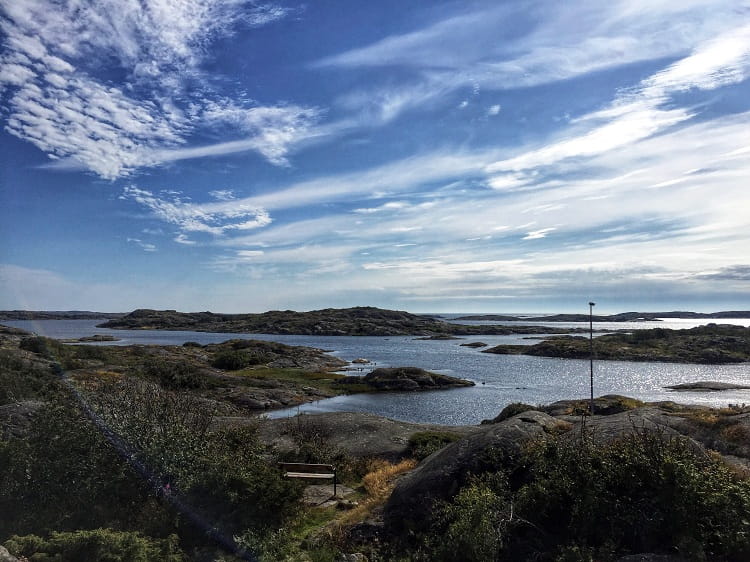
(423, 443)
(174, 375)
(22, 379)
(236, 360)
(581, 500)
(62, 475)
(227, 474)
(641, 493)
(474, 526)
(96, 545)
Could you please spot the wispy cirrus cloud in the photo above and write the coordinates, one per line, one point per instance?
(145, 246)
(61, 98)
(194, 217)
(481, 47)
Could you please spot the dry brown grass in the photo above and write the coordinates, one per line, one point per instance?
(736, 434)
(378, 483)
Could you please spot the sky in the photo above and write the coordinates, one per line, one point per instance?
(463, 156)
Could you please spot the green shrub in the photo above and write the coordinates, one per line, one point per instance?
(643, 492)
(236, 360)
(96, 545)
(22, 379)
(62, 476)
(174, 374)
(581, 500)
(423, 443)
(474, 526)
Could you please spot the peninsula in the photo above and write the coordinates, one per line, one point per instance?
(710, 344)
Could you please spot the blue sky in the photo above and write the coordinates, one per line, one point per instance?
(431, 156)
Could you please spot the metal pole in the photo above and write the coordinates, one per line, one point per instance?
(591, 353)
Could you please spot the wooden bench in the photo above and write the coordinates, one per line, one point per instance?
(304, 470)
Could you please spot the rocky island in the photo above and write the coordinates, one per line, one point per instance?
(357, 321)
(710, 344)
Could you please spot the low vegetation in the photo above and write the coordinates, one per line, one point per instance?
(587, 500)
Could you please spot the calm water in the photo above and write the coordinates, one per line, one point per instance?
(500, 379)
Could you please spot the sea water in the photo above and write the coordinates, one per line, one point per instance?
(499, 379)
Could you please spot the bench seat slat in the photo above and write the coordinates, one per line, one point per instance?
(307, 475)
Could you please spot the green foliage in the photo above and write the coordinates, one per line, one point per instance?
(62, 475)
(474, 526)
(639, 493)
(236, 360)
(423, 443)
(582, 500)
(94, 546)
(69, 356)
(227, 474)
(174, 374)
(22, 379)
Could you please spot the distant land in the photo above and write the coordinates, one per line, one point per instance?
(621, 317)
(357, 321)
(57, 315)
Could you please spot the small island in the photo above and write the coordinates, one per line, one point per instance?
(401, 378)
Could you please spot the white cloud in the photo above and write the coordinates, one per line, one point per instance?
(479, 47)
(639, 113)
(183, 239)
(145, 246)
(536, 234)
(49, 70)
(273, 129)
(222, 194)
(494, 110)
(193, 217)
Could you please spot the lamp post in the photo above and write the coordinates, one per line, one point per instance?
(591, 353)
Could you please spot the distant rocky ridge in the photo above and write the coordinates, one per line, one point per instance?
(357, 321)
(620, 317)
(57, 315)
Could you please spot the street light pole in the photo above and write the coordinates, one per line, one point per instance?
(591, 353)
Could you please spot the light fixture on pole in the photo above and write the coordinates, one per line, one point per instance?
(591, 353)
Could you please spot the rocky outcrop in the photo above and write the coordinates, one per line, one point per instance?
(442, 474)
(403, 378)
(358, 434)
